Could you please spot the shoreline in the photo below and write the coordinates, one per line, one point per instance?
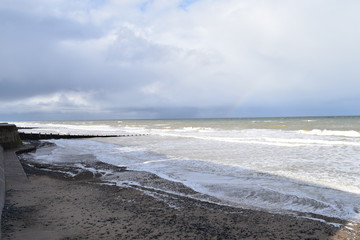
(54, 205)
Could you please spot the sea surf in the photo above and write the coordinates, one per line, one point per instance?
(286, 165)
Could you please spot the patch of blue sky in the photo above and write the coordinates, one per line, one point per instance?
(97, 3)
(184, 4)
(143, 6)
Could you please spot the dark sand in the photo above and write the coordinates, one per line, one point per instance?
(54, 206)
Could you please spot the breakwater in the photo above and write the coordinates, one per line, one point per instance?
(9, 138)
(45, 136)
(2, 181)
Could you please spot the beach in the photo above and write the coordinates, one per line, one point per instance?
(52, 205)
(287, 165)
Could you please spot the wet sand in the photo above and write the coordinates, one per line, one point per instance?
(54, 206)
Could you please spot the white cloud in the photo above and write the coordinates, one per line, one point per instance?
(61, 102)
(152, 89)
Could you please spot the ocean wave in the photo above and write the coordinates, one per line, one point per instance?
(273, 187)
(281, 141)
(318, 132)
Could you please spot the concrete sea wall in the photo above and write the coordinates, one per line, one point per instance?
(2, 183)
(9, 136)
(2, 180)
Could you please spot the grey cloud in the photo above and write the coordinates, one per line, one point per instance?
(30, 61)
(134, 49)
(217, 58)
(33, 62)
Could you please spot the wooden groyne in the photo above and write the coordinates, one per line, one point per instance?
(46, 136)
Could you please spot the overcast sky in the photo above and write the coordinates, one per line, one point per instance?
(119, 59)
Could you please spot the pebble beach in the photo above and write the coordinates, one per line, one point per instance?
(52, 205)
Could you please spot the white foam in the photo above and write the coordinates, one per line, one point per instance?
(324, 221)
(319, 132)
(62, 128)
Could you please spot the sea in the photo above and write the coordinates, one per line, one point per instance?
(283, 165)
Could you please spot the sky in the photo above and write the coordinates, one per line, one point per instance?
(133, 59)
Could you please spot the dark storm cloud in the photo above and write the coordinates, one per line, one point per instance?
(33, 62)
(30, 62)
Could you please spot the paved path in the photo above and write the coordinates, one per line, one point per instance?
(14, 172)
